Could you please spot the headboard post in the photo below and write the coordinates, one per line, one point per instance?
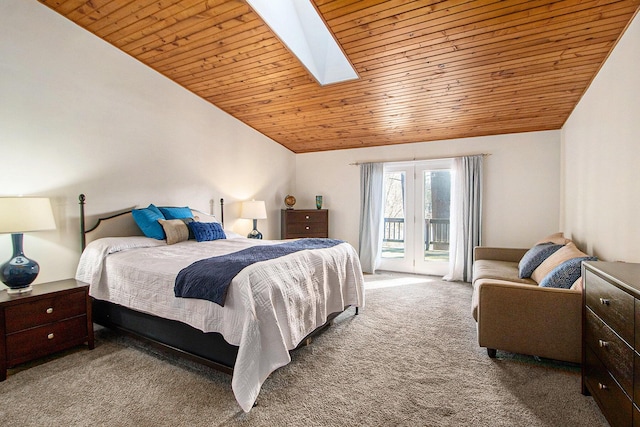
(83, 239)
(222, 212)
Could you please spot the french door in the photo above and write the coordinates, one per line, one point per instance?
(417, 210)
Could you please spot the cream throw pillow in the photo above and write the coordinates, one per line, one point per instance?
(565, 253)
(175, 230)
(555, 238)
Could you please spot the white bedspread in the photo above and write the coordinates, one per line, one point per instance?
(291, 295)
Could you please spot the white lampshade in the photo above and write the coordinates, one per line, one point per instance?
(255, 209)
(24, 214)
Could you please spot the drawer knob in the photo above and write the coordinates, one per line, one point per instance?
(603, 344)
(50, 336)
(307, 227)
(49, 310)
(307, 217)
(604, 301)
(602, 386)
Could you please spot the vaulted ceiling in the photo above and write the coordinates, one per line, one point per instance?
(429, 70)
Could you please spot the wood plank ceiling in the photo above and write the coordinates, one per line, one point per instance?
(429, 70)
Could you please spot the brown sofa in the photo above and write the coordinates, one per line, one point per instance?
(517, 315)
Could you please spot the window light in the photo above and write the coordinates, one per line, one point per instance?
(302, 30)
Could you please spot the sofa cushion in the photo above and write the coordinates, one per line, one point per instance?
(534, 257)
(566, 274)
(501, 270)
(565, 253)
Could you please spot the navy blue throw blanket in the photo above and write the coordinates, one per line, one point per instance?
(210, 278)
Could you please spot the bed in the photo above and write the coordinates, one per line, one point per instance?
(272, 307)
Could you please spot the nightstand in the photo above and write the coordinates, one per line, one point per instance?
(52, 317)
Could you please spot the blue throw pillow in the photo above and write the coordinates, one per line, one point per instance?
(173, 212)
(534, 257)
(565, 275)
(147, 220)
(205, 231)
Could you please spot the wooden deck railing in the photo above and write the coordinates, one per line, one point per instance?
(437, 232)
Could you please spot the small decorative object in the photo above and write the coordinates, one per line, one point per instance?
(289, 201)
(20, 215)
(254, 210)
(318, 202)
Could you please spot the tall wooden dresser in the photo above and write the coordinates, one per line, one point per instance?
(611, 339)
(298, 223)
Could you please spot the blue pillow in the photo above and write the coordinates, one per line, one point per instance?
(172, 212)
(564, 275)
(147, 220)
(534, 257)
(205, 231)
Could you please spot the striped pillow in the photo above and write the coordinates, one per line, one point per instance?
(565, 253)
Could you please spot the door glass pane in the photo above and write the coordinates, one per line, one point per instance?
(393, 244)
(437, 206)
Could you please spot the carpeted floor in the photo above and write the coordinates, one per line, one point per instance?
(409, 359)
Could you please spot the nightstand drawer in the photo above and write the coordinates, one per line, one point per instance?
(26, 345)
(614, 306)
(43, 311)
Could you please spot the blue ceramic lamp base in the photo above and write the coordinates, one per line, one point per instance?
(19, 272)
(255, 234)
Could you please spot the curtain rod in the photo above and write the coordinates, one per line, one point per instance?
(423, 159)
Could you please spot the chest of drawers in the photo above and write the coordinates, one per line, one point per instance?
(300, 223)
(611, 339)
(52, 317)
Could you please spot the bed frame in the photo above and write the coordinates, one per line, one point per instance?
(208, 348)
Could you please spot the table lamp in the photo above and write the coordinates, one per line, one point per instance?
(21, 215)
(255, 210)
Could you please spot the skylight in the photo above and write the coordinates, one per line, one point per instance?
(300, 28)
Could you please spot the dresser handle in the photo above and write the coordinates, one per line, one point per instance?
(603, 344)
(50, 336)
(602, 386)
(307, 227)
(306, 217)
(604, 301)
(49, 310)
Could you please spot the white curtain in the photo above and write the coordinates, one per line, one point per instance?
(371, 224)
(466, 220)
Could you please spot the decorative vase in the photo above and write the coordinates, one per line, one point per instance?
(318, 202)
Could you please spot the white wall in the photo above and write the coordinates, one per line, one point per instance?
(77, 115)
(521, 182)
(601, 158)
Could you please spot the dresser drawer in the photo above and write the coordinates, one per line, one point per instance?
(636, 379)
(615, 405)
(305, 217)
(45, 310)
(614, 353)
(614, 306)
(636, 416)
(637, 321)
(307, 229)
(34, 342)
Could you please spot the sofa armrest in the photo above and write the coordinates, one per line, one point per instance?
(498, 254)
(527, 319)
